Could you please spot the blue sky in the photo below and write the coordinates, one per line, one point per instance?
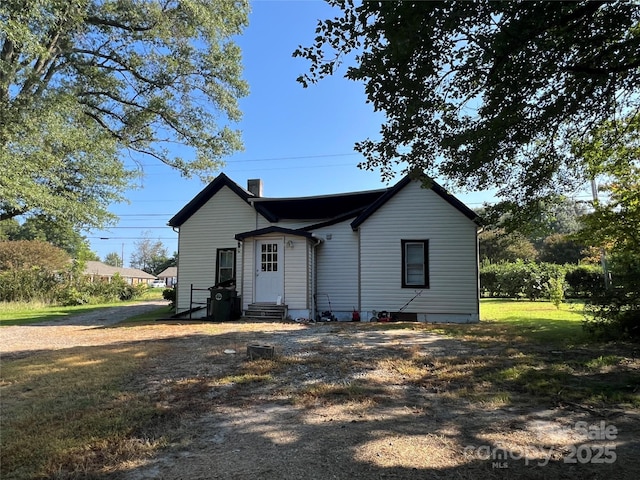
(298, 141)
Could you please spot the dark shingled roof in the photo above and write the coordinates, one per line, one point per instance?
(272, 229)
(325, 208)
(315, 208)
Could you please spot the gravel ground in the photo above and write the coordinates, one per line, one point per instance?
(84, 329)
(238, 430)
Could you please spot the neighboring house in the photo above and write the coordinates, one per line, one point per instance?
(407, 249)
(170, 276)
(99, 271)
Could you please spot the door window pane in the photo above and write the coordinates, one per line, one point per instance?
(269, 257)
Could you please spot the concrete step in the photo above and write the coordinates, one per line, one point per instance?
(266, 311)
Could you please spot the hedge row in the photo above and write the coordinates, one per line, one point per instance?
(37, 284)
(537, 280)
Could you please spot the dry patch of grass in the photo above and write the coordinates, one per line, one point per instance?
(71, 413)
(318, 394)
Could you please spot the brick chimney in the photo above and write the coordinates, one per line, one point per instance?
(255, 186)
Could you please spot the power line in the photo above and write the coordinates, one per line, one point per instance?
(145, 214)
(133, 238)
(300, 157)
(271, 159)
(262, 169)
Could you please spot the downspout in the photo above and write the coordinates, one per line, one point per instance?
(314, 274)
(359, 274)
(479, 230)
(252, 271)
(241, 248)
(177, 230)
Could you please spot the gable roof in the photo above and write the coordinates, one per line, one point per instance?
(205, 195)
(433, 185)
(168, 272)
(103, 270)
(328, 209)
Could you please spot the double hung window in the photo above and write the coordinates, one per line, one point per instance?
(226, 264)
(415, 263)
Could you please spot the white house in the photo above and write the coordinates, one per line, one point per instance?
(410, 250)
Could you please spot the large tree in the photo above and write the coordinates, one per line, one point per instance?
(60, 234)
(29, 254)
(612, 155)
(113, 259)
(485, 93)
(496, 245)
(614, 223)
(149, 255)
(82, 82)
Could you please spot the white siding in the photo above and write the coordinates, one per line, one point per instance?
(295, 273)
(248, 274)
(213, 226)
(295, 266)
(353, 269)
(337, 269)
(415, 213)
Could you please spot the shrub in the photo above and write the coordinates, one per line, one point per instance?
(517, 279)
(615, 313)
(489, 280)
(23, 255)
(534, 280)
(115, 290)
(70, 295)
(556, 290)
(28, 284)
(584, 281)
(170, 294)
(63, 287)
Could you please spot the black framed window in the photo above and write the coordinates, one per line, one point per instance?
(415, 263)
(226, 264)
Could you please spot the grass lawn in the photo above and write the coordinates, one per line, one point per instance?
(149, 317)
(538, 349)
(525, 321)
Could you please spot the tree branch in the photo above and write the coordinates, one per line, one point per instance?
(119, 61)
(12, 213)
(93, 20)
(591, 70)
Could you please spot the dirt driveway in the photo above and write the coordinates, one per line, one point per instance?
(342, 401)
(85, 329)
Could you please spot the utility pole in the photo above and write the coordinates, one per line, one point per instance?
(603, 253)
(122, 256)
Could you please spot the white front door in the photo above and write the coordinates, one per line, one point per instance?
(269, 271)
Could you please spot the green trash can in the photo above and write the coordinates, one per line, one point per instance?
(221, 304)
